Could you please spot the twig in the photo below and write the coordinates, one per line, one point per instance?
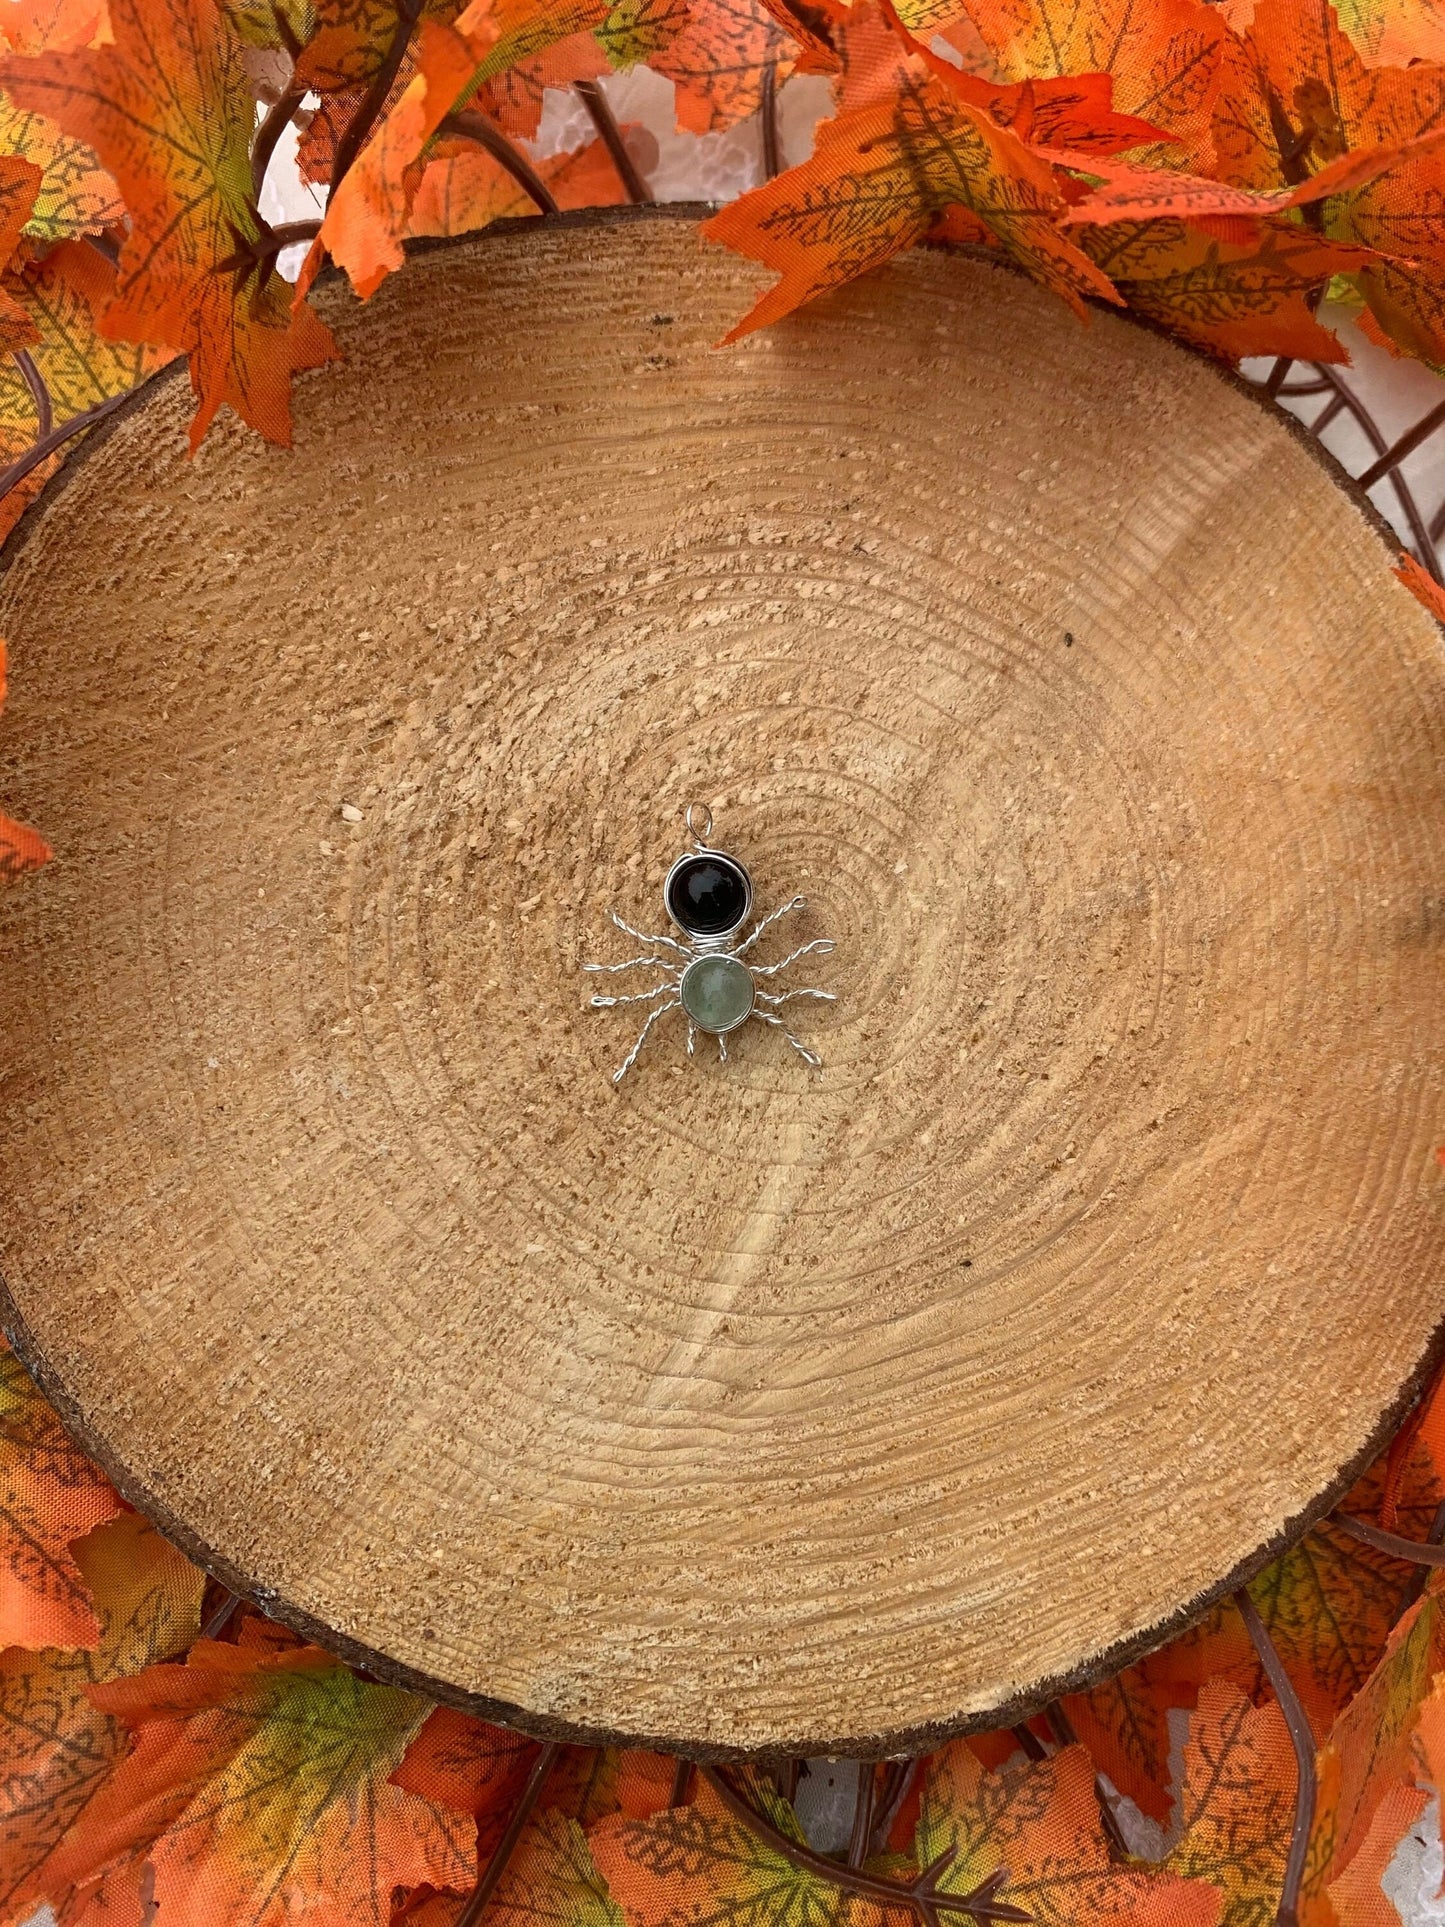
(923, 1895)
(1303, 1741)
(1276, 379)
(1416, 1552)
(896, 1789)
(862, 1832)
(1032, 1745)
(476, 127)
(278, 118)
(768, 120)
(605, 121)
(1407, 444)
(359, 126)
(532, 1792)
(107, 249)
(35, 382)
(681, 1783)
(221, 1618)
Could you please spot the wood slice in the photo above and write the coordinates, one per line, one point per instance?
(743, 1407)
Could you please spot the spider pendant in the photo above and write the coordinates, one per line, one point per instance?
(705, 973)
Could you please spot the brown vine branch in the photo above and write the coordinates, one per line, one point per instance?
(862, 1831)
(278, 117)
(1407, 444)
(768, 120)
(221, 1618)
(1416, 1552)
(923, 1895)
(35, 382)
(531, 1793)
(896, 1790)
(1303, 1741)
(605, 121)
(681, 1783)
(472, 126)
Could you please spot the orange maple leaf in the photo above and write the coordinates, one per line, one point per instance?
(701, 1866)
(168, 109)
(56, 1745)
(463, 1763)
(368, 212)
(1295, 97)
(64, 292)
(1163, 55)
(1124, 1724)
(1040, 1823)
(354, 37)
(514, 99)
(720, 62)
(258, 1786)
(551, 1881)
(879, 178)
(1230, 297)
(76, 195)
(1238, 1802)
(50, 1495)
(1428, 1424)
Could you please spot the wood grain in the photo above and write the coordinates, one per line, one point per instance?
(745, 1408)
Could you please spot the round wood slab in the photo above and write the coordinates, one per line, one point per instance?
(744, 1407)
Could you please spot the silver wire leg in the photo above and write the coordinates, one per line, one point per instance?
(766, 997)
(810, 1058)
(632, 963)
(642, 936)
(783, 910)
(691, 1039)
(819, 947)
(642, 997)
(652, 1016)
(722, 1048)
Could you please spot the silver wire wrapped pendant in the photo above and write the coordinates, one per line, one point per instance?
(708, 895)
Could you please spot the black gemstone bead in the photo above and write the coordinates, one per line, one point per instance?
(708, 895)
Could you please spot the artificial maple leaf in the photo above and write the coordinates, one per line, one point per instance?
(1238, 1803)
(1124, 1724)
(258, 1785)
(368, 212)
(65, 294)
(1372, 1736)
(464, 188)
(702, 1866)
(1231, 298)
(1356, 1897)
(1328, 1604)
(1039, 1821)
(21, 849)
(19, 184)
(1163, 55)
(56, 1745)
(76, 195)
(1423, 586)
(720, 61)
(1296, 96)
(1393, 33)
(514, 99)
(50, 1496)
(878, 179)
(551, 1880)
(637, 30)
(354, 37)
(463, 1763)
(168, 109)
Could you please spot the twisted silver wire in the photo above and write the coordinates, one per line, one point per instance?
(819, 947)
(631, 1058)
(783, 910)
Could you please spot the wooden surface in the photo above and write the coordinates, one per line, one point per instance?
(746, 1407)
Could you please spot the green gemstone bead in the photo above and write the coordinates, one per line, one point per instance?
(717, 993)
